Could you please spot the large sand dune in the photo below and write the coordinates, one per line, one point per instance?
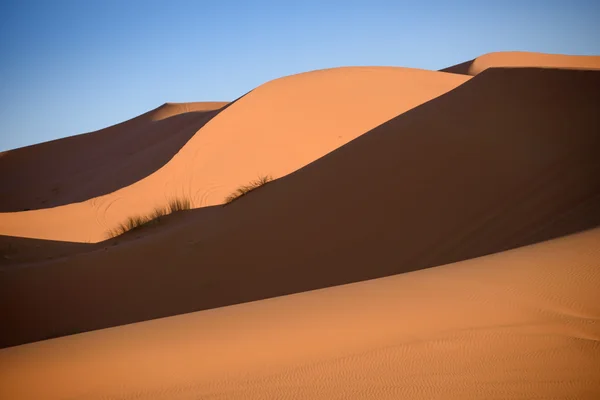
(506, 159)
(506, 59)
(81, 167)
(275, 129)
(516, 325)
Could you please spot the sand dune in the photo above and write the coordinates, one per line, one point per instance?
(275, 129)
(514, 325)
(408, 188)
(504, 160)
(524, 59)
(81, 167)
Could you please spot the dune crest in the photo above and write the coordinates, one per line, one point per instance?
(515, 59)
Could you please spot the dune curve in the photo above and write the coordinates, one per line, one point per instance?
(275, 129)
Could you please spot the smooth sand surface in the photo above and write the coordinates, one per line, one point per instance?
(275, 129)
(524, 59)
(17, 251)
(81, 167)
(507, 159)
(521, 324)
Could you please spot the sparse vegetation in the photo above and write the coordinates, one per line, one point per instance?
(245, 189)
(138, 221)
(179, 204)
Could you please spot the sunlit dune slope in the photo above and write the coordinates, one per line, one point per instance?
(514, 325)
(504, 160)
(81, 167)
(524, 59)
(275, 129)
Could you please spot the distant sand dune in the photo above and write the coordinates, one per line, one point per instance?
(519, 324)
(507, 159)
(524, 59)
(273, 130)
(81, 167)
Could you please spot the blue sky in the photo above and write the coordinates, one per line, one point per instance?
(69, 67)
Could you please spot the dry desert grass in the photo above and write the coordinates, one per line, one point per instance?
(138, 221)
(245, 189)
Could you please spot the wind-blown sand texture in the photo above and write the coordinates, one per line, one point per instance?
(446, 246)
(273, 130)
(520, 324)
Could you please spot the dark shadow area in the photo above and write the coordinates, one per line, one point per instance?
(509, 158)
(81, 167)
(23, 252)
(16, 251)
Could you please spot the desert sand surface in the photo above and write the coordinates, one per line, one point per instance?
(429, 235)
(519, 324)
(506, 59)
(504, 160)
(273, 130)
(82, 167)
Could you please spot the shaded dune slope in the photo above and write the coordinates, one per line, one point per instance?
(523, 59)
(81, 167)
(504, 160)
(18, 251)
(275, 129)
(514, 325)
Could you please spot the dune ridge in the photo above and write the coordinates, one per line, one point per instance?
(505, 160)
(504, 326)
(506, 59)
(81, 167)
(273, 130)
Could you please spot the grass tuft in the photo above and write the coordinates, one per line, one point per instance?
(138, 221)
(245, 189)
(179, 204)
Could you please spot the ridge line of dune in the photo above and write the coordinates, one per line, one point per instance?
(517, 59)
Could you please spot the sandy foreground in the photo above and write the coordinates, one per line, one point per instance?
(519, 324)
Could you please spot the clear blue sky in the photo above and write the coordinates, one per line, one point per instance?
(69, 67)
